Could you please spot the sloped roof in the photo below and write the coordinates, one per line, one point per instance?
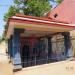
(64, 12)
(37, 24)
(36, 20)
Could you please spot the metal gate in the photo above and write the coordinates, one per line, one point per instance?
(39, 54)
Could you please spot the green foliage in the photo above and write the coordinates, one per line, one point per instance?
(3, 38)
(58, 1)
(5, 31)
(0, 39)
(12, 11)
(30, 7)
(34, 7)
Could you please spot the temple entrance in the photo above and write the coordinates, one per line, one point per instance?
(37, 51)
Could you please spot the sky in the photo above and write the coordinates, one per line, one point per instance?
(4, 6)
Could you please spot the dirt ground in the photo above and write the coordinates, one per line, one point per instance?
(5, 67)
(59, 68)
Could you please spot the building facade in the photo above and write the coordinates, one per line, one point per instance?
(35, 41)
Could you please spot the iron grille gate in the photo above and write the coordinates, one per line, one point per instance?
(40, 54)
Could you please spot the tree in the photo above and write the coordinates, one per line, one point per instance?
(12, 11)
(34, 7)
(28, 7)
(59, 1)
(0, 39)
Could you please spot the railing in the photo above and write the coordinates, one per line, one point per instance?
(34, 62)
